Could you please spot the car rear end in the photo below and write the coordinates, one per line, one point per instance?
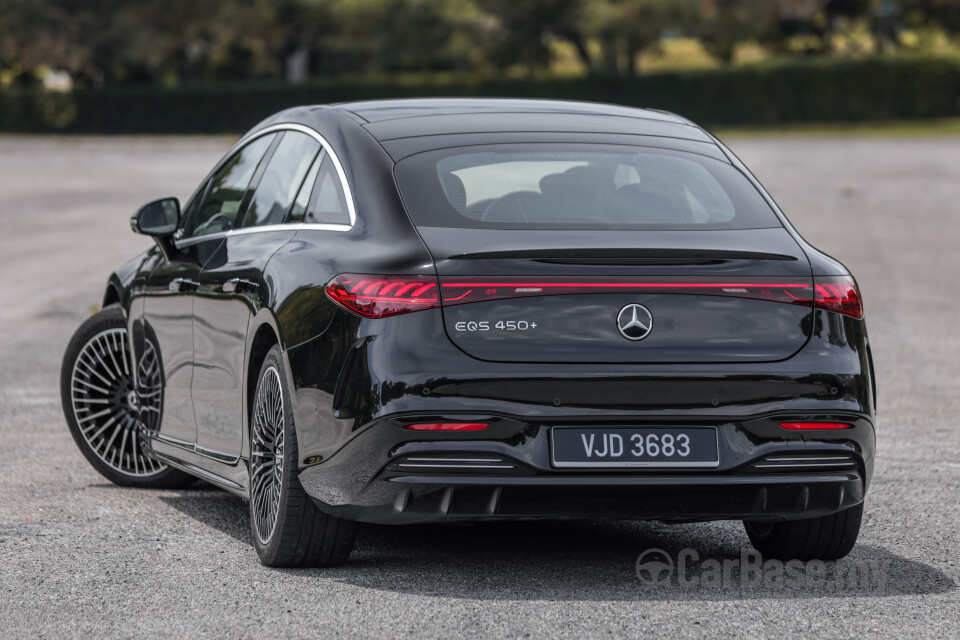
(605, 331)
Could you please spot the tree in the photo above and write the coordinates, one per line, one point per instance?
(525, 29)
(100, 42)
(726, 23)
(937, 14)
(626, 28)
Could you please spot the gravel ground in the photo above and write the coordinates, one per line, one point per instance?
(79, 556)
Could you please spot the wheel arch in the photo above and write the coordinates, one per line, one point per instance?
(118, 286)
(262, 335)
(111, 295)
(114, 292)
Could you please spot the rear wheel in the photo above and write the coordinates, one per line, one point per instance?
(824, 538)
(288, 528)
(106, 415)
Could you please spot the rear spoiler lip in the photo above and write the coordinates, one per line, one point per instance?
(598, 255)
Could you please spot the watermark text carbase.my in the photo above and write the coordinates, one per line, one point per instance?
(749, 571)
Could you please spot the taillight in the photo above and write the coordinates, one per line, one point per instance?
(815, 426)
(373, 296)
(448, 426)
(835, 293)
(838, 294)
(379, 296)
(465, 290)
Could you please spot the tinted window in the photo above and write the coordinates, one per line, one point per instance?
(303, 196)
(328, 204)
(227, 190)
(578, 187)
(194, 205)
(280, 180)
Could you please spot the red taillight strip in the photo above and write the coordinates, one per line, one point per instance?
(448, 426)
(378, 296)
(601, 285)
(815, 426)
(466, 290)
(834, 293)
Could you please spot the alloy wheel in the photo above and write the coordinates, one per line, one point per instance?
(266, 460)
(111, 413)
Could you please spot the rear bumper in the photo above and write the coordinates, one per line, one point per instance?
(372, 479)
(413, 499)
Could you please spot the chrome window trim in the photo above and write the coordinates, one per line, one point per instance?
(296, 226)
(318, 226)
(186, 242)
(347, 192)
(293, 225)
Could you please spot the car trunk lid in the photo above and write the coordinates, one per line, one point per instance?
(568, 296)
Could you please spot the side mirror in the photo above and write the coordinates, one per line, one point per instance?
(158, 218)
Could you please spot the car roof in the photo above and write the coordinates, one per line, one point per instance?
(410, 118)
(405, 127)
(393, 109)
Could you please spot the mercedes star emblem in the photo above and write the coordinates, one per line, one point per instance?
(635, 322)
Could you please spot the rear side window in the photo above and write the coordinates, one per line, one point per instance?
(328, 205)
(303, 196)
(570, 186)
(280, 180)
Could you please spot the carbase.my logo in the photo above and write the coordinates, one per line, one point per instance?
(656, 568)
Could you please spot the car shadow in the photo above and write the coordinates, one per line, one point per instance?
(215, 508)
(580, 560)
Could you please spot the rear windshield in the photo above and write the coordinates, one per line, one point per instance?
(554, 186)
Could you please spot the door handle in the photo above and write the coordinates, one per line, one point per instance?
(238, 285)
(183, 284)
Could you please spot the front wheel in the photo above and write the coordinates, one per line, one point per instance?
(824, 538)
(106, 415)
(288, 528)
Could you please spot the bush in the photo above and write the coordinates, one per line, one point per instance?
(824, 90)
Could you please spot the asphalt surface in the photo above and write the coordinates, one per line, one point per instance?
(79, 556)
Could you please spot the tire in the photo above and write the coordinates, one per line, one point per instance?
(104, 415)
(287, 527)
(825, 538)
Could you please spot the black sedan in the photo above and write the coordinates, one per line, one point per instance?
(450, 310)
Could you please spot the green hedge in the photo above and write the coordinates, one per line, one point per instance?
(824, 90)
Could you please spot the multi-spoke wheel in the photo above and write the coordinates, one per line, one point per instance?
(106, 414)
(266, 451)
(289, 530)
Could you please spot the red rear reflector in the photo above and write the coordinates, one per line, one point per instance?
(838, 294)
(374, 296)
(448, 426)
(814, 426)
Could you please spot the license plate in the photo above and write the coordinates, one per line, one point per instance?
(628, 447)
